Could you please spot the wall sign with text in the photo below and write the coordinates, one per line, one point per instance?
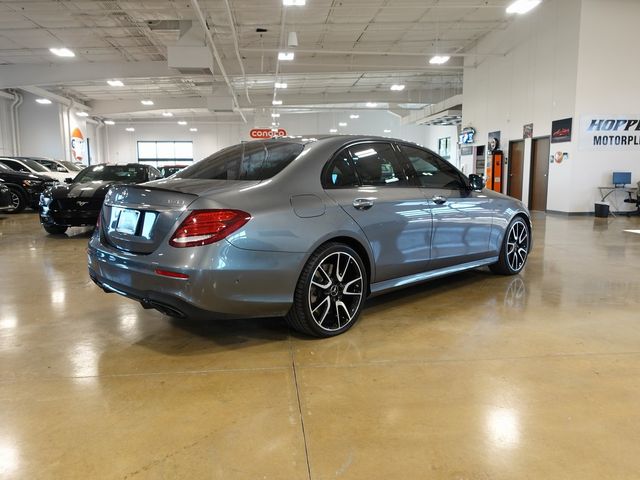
(267, 133)
(610, 132)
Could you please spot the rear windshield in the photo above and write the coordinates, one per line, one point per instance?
(112, 173)
(247, 161)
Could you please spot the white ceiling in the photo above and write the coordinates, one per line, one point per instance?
(349, 51)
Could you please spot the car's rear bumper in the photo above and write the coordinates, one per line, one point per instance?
(223, 281)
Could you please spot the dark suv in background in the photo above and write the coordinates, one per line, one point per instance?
(24, 188)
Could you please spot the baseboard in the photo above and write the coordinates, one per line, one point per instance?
(571, 214)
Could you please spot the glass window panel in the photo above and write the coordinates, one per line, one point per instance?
(147, 150)
(184, 150)
(166, 150)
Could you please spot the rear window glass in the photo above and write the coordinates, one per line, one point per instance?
(112, 173)
(247, 161)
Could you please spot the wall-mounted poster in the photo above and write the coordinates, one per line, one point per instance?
(561, 130)
(77, 145)
(493, 143)
(467, 135)
(610, 132)
(527, 130)
(466, 150)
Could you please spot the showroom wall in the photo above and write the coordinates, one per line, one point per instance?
(210, 137)
(534, 82)
(6, 133)
(40, 128)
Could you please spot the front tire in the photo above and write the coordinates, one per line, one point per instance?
(18, 201)
(55, 229)
(515, 248)
(330, 292)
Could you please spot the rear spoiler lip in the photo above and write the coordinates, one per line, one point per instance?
(149, 187)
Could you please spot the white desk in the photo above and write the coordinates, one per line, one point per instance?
(607, 191)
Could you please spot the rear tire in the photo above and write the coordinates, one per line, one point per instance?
(55, 229)
(18, 201)
(330, 293)
(515, 248)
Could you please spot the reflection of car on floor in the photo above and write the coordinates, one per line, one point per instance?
(25, 188)
(79, 202)
(170, 170)
(302, 228)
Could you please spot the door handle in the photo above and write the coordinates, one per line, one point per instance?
(439, 199)
(363, 203)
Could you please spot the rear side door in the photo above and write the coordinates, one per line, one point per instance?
(367, 180)
(462, 219)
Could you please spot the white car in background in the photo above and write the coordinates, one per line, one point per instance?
(60, 166)
(26, 165)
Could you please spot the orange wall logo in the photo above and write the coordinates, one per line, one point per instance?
(267, 133)
(77, 145)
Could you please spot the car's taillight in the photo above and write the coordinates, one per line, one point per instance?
(203, 227)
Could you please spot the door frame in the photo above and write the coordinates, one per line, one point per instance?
(531, 170)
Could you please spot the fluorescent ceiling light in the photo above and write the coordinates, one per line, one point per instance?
(276, 102)
(62, 52)
(342, 124)
(280, 85)
(82, 114)
(292, 40)
(387, 131)
(130, 129)
(193, 129)
(274, 124)
(439, 59)
(109, 122)
(372, 104)
(43, 101)
(522, 6)
(354, 116)
(294, 3)
(146, 102)
(115, 83)
(181, 122)
(397, 87)
(286, 56)
(365, 153)
(167, 114)
(333, 130)
(275, 115)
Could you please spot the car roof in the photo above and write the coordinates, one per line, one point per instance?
(334, 138)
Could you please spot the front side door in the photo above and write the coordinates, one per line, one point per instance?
(369, 183)
(462, 219)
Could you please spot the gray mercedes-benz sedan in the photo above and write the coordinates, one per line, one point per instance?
(305, 228)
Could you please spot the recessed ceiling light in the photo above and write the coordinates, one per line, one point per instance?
(439, 59)
(146, 102)
(82, 114)
(274, 124)
(387, 131)
(109, 122)
(342, 124)
(286, 56)
(275, 115)
(372, 104)
(130, 129)
(276, 102)
(280, 85)
(397, 87)
(333, 130)
(354, 116)
(522, 6)
(62, 52)
(294, 3)
(167, 114)
(43, 101)
(181, 122)
(115, 83)
(192, 129)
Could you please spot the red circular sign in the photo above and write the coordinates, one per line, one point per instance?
(267, 133)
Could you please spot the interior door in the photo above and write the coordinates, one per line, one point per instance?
(539, 174)
(462, 219)
(516, 163)
(368, 182)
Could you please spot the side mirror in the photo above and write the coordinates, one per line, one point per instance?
(476, 182)
(61, 169)
(68, 180)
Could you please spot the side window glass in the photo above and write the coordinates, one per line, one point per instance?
(17, 166)
(376, 164)
(340, 173)
(431, 171)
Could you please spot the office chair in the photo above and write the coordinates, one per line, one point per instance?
(634, 200)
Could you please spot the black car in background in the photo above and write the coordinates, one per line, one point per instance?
(5, 197)
(24, 188)
(78, 203)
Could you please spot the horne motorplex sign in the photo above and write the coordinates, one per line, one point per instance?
(267, 133)
(610, 132)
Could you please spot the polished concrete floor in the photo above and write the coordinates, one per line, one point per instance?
(473, 377)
